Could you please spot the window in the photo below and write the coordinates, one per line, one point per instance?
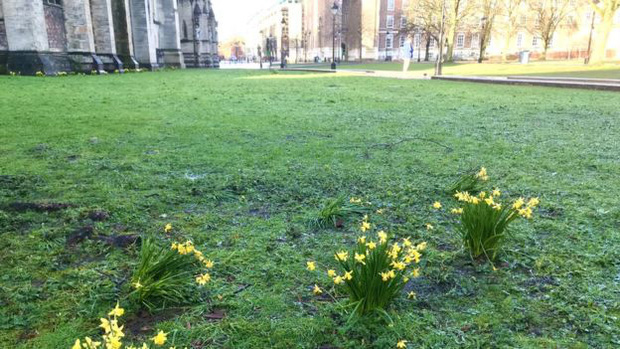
(550, 43)
(390, 5)
(402, 40)
(403, 21)
(475, 40)
(416, 40)
(522, 20)
(519, 39)
(53, 2)
(389, 41)
(460, 41)
(432, 42)
(390, 22)
(535, 41)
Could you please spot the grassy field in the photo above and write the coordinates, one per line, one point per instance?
(240, 162)
(554, 69)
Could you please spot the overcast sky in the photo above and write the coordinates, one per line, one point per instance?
(233, 15)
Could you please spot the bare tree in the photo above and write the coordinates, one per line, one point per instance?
(510, 12)
(424, 17)
(606, 9)
(457, 12)
(548, 15)
(490, 9)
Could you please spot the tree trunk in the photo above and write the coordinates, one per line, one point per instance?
(599, 50)
(428, 46)
(450, 38)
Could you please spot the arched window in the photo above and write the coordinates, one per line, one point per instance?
(184, 30)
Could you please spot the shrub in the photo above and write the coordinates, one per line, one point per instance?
(336, 211)
(374, 273)
(470, 182)
(166, 276)
(484, 220)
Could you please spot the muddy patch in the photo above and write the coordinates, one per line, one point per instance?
(38, 207)
(143, 322)
(98, 216)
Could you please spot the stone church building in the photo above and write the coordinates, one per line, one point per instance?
(54, 36)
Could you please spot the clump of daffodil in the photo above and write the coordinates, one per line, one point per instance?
(112, 337)
(375, 272)
(168, 228)
(169, 276)
(484, 219)
(471, 181)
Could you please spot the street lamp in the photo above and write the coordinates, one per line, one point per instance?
(282, 48)
(386, 46)
(334, 13)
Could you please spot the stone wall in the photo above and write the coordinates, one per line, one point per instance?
(4, 45)
(55, 24)
(103, 28)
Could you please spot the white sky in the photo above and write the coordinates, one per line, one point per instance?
(233, 15)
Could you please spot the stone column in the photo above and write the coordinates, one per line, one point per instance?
(121, 21)
(28, 45)
(144, 45)
(169, 34)
(80, 37)
(103, 30)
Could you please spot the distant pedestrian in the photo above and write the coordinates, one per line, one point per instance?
(407, 54)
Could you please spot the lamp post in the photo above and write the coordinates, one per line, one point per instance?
(334, 13)
(387, 33)
(282, 45)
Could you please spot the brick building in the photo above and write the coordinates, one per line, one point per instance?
(105, 35)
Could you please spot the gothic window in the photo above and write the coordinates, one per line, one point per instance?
(53, 2)
(184, 29)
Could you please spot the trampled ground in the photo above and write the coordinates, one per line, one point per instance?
(573, 69)
(239, 162)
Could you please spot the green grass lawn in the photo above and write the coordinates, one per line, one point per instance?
(552, 68)
(240, 162)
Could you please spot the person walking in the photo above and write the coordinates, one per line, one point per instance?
(407, 54)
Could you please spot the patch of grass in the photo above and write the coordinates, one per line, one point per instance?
(336, 212)
(262, 152)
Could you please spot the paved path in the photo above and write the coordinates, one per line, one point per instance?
(588, 84)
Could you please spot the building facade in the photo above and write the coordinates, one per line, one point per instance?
(52, 36)
(278, 31)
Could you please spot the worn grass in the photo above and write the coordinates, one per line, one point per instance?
(573, 69)
(236, 161)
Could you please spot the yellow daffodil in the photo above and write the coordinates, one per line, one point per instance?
(371, 245)
(168, 228)
(91, 344)
(361, 239)
(342, 256)
(421, 246)
(474, 200)
(355, 201)
(482, 194)
(526, 212)
(160, 338)
(174, 246)
(392, 274)
(317, 290)
(77, 345)
(497, 206)
(117, 311)
(382, 237)
(380, 211)
(429, 226)
(338, 280)
(348, 275)
(385, 276)
(105, 325)
(533, 202)
(437, 205)
(202, 279)
(398, 265)
(518, 204)
(310, 265)
(411, 295)
(360, 258)
(457, 211)
(415, 273)
(496, 192)
(137, 285)
(407, 242)
(489, 201)
(331, 273)
(402, 344)
(365, 226)
(208, 263)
